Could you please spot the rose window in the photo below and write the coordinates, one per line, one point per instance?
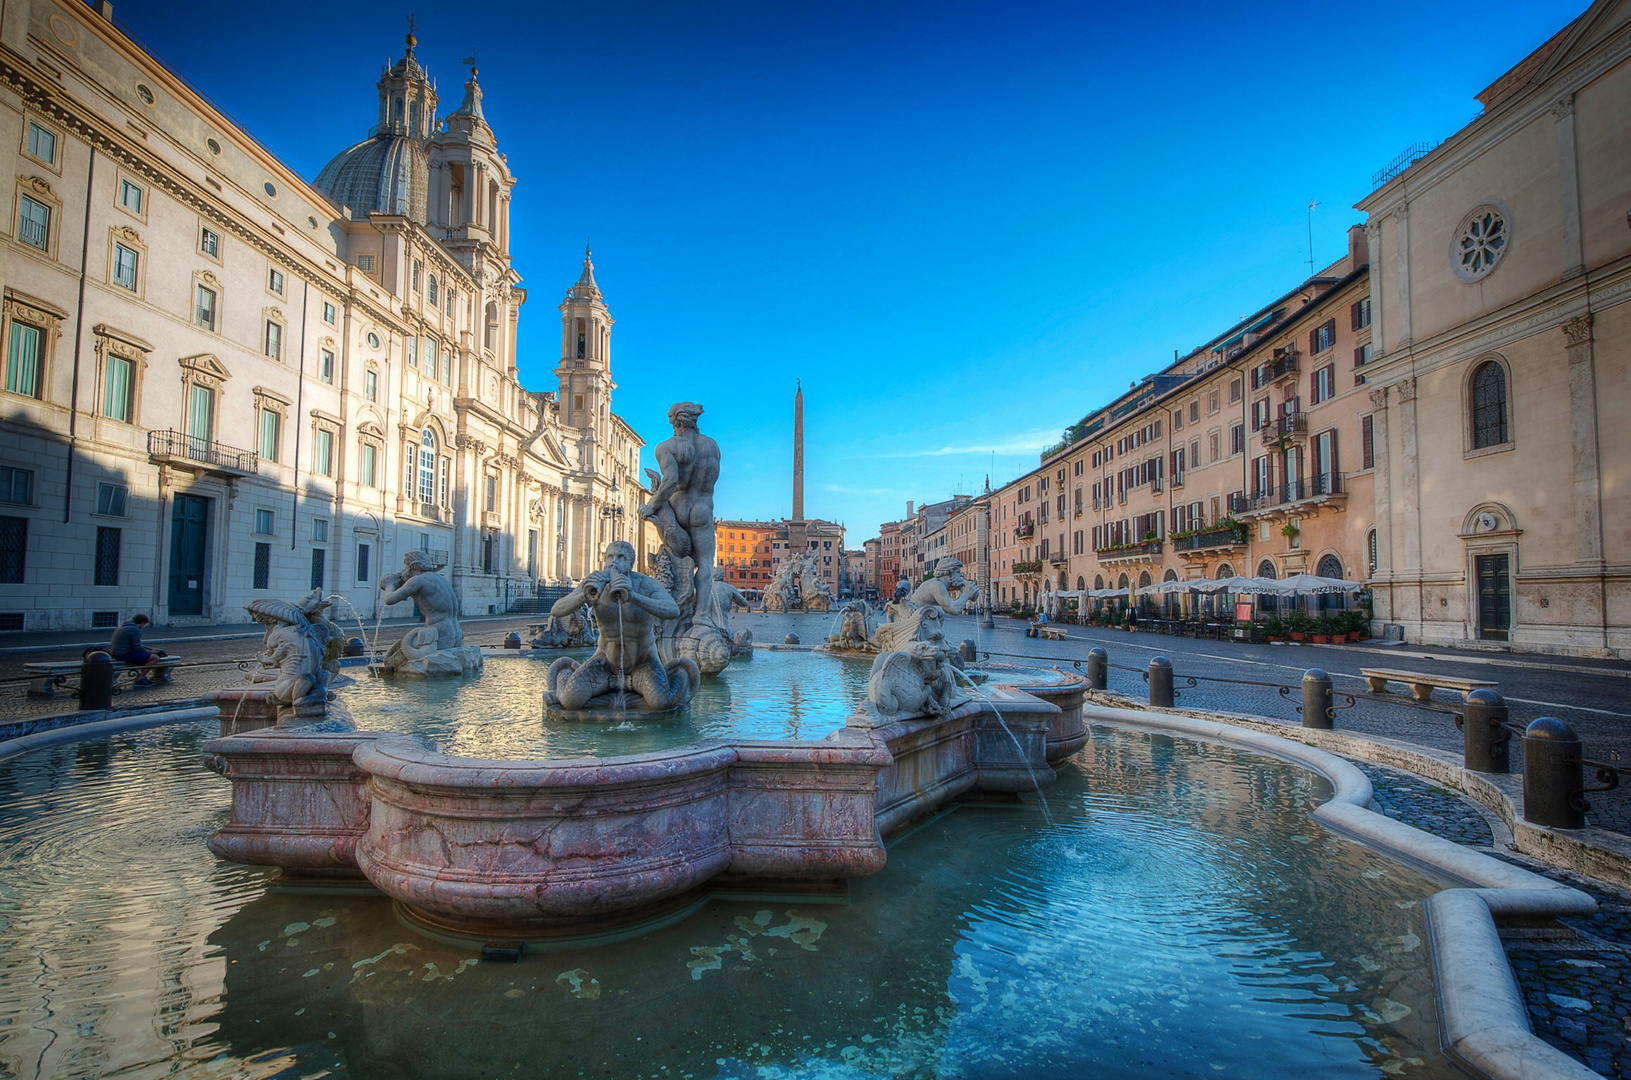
(1480, 243)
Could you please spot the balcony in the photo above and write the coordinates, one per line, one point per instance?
(1206, 539)
(1148, 549)
(1275, 370)
(1028, 567)
(1318, 490)
(199, 455)
(1024, 530)
(1290, 426)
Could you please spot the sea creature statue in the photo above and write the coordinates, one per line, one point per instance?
(437, 648)
(918, 680)
(796, 585)
(780, 595)
(625, 677)
(300, 658)
(947, 590)
(855, 633)
(575, 631)
(814, 593)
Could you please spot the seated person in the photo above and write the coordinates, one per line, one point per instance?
(127, 648)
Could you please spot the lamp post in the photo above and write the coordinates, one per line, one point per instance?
(613, 513)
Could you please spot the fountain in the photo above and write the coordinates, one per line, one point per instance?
(436, 649)
(575, 630)
(300, 657)
(796, 585)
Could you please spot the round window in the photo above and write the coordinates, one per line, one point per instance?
(215, 147)
(144, 93)
(373, 340)
(312, 222)
(1481, 239)
(270, 190)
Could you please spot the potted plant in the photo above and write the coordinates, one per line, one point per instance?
(1322, 631)
(1354, 623)
(1274, 629)
(1290, 530)
(1300, 624)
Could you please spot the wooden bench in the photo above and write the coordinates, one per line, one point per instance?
(1421, 684)
(1052, 633)
(44, 673)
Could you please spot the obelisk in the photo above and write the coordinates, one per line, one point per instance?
(796, 534)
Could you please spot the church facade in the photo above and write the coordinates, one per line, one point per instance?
(223, 381)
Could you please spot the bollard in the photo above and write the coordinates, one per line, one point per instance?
(1553, 777)
(1486, 740)
(790, 639)
(966, 649)
(513, 641)
(986, 623)
(1161, 683)
(1317, 711)
(1098, 669)
(355, 646)
(96, 681)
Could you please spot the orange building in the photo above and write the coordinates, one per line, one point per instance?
(743, 549)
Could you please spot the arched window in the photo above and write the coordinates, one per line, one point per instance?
(1489, 427)
(431, 292)
(413, 117)
(1265, 569)
(1330, 566)
(1225, 571)
(1122, 584)
(1081, 583)
(1098, 581)
(1170, 575)
(1370, 552)
(427, 467)
(1144, 580)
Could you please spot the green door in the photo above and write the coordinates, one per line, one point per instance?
(189, 539)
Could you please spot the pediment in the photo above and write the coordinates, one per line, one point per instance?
(205, 364)
(1596, 24)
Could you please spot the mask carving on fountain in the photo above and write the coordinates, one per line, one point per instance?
(682, 511)
(301, 659)
(437, 648)
(626, 675)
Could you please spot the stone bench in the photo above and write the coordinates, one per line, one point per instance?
(44, 673)
(1052, 633)
(1421, 684)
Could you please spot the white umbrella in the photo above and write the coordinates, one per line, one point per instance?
(1311, 583)
(1253, 586)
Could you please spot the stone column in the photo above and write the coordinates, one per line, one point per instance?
(1401, 229)
(1588, 525)
(1382, 476)
(1409, 477)
(1568, 179)
(1373, 245)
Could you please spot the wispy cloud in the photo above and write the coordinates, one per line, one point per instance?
(1028, 442)
(840, 489)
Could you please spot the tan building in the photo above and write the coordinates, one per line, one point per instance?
(968, 540)
(824, 539)
(873, 550)
(253, 385)
(743, 549)
(888, 557)
(1502, 373)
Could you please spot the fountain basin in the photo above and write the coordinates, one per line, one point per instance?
(1064, 689)
(528, 850)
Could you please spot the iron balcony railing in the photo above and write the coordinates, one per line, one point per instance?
(176, 445)
(1207, 539)
(33, 233)
(1125, 551)
(1318, 486)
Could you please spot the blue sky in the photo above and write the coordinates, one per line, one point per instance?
(961, 224)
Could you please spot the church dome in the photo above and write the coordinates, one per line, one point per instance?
(389, 173)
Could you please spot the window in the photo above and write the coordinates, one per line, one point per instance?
(1212, 405)
(274, 340)
(274, 281)
(1367, 442)
(130, 195)
(125, 261)
(23, 359)
(319, 530)
(271, 435)
(42, 143)
(1237, 390)
(1237, 440)
(263, 522)
(107, 555)
(1370, 552)
(1178, 420)
(1322, 337)
(418, 274)
(427, 467)
(205, 315)
(368, 464)
(1362, 355)
(1324, 387)
(431, 294)
(1489, 426)
(1359, 313)
(263, 566)
(33, 223)
(373, 341)
(490, 503)
(13, 549)
(110, 499)
(318, 557)
(323, 452)
(1479, 243)
(365, 263)
(363, 551)
(412, 352)
(430, 358)
(489, 552)
(17, 486)
(329, 314)
(325, 365)
(209, 243)
(116, 388)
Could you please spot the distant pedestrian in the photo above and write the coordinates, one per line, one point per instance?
(1132, 620)
(127, 648)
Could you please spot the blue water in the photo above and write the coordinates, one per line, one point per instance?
(1182, 917)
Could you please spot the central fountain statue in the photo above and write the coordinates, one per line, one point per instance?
(437, 648)
(625, 675)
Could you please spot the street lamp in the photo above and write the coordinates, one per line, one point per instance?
(611, 511)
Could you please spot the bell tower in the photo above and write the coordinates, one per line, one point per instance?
(407, 97)
(585, 371)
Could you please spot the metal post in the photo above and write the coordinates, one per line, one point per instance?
(1161, 683)
(96, 681)
(1486, 739)
(1098, 669)
(1317, 711)
(966, 650)
(1552, 775)
(986, 623)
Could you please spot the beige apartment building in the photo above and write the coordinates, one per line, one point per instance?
(224, 382)
(1502, 375)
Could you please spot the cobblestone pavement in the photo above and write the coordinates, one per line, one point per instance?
(1579, 991)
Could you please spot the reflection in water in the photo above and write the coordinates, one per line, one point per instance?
(778, 695)
(1184, 918)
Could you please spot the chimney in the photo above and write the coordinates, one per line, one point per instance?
(908, 507)
(1358, 248)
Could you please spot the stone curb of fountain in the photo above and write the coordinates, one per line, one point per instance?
(1482, 1017)
(1592, 852)
(98, 722)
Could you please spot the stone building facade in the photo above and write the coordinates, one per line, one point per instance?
(1502, 374)
(224, 382)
